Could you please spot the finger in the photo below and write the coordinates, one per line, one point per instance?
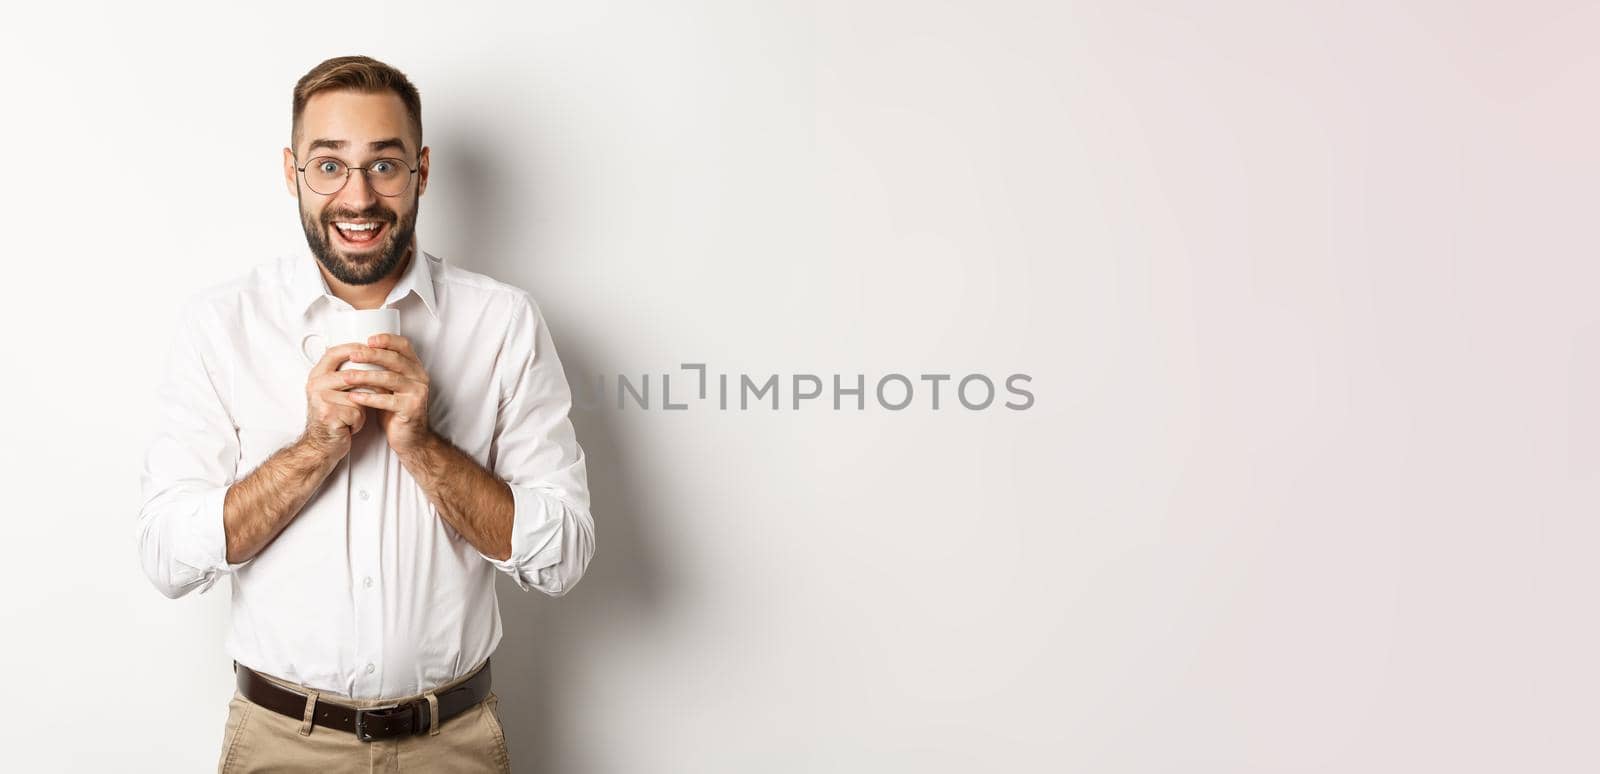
(330, 386)
(340, 413)
(333, 380)
(376, 400)
(351, 416)
(338, 398)
(395, 342)
(389, 359)
(333, 357)
(389, 379)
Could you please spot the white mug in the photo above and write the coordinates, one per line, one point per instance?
(354, 325)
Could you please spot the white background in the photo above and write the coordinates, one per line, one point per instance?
(1306, 292)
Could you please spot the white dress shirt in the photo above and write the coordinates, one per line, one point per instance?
(368, 592)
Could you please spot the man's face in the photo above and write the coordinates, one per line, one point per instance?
(357, 234)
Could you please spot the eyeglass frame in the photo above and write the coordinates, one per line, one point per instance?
(348, 168)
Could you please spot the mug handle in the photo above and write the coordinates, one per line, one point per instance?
(309, 359)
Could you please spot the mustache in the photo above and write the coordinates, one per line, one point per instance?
(371, 213)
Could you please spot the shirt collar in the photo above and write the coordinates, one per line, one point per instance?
(307, 283)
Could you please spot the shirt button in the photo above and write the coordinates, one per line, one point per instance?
(367, 582)
(370, 668)
(363, 494)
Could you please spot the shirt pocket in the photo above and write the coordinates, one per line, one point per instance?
(267, 422)
(269, 400)
(259, 441)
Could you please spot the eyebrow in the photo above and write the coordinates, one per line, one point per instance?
(387, 142)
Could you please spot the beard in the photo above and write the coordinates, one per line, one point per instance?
(371, 263)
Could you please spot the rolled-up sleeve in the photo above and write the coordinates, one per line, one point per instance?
(188, 467)
(535, 451)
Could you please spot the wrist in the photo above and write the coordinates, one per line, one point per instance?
(320, 451)
(426, 446)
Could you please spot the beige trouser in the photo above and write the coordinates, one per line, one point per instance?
(257, 739)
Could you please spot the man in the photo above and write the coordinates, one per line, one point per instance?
(365, 533)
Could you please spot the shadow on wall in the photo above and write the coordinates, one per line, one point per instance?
(544, 637)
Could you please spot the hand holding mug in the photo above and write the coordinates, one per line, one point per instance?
(332, 418)
(403, 390)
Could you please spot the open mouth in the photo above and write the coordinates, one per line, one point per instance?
(359, 233)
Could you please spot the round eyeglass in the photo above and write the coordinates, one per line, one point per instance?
(326, 175)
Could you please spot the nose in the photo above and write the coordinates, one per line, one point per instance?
(357, 193)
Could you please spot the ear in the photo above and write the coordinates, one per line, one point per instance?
(291, 180)
(422, 170)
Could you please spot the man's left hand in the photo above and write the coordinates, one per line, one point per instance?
(403, 410)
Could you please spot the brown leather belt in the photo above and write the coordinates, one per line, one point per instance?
(367, 723)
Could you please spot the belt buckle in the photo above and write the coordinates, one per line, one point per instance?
(363, 712)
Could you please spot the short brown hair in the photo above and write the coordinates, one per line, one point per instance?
(359, 73)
